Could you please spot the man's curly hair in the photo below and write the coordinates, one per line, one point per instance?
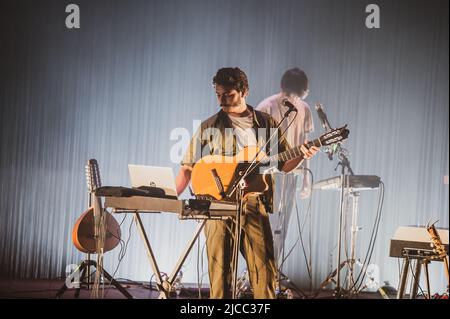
(232, 77)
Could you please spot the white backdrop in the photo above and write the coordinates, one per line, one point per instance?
(115, 89)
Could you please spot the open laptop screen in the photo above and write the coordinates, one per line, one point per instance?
(153, 176)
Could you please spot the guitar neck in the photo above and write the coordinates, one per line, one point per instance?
(294, 152)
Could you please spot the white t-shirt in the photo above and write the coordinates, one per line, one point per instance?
(297, 132)
(243, 130)
(303, 123)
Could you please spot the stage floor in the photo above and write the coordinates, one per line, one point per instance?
(47, 289)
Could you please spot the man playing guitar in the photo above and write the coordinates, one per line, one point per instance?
(236, 126)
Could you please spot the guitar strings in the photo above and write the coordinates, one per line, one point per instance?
(254, 164)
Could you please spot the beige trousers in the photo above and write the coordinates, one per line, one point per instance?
(256, 247)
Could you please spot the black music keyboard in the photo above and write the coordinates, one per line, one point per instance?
(207, 209)
(356, 182)
(186, 209)
(415, 240)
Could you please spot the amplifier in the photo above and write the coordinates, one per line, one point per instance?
(412, 238)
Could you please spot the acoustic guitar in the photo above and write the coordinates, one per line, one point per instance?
(217, 176)
(83, 233)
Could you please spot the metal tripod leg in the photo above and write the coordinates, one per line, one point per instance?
(164, 286)
(401, 289)
(330, 278)
(82, 269)
(427, 277)
(160, 284)
(115, 283)
(183, 257)
(416, 279)
(350, 280)
(64, 287)
(83, 275)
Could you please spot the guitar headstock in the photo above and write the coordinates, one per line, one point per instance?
(334, 136)
(92, 175)
(436, 241)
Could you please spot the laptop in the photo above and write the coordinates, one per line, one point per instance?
(153, 176)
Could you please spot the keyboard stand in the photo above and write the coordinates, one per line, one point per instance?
(185, 253)
(423, 258)
(138, 204)
(164, 286)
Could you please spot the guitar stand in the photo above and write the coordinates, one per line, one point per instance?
(93, 182)
(85, 267)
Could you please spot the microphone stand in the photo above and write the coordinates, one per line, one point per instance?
(240, 186)
(345, 165)
(237, 237)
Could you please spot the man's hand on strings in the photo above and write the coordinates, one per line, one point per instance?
(308, 152)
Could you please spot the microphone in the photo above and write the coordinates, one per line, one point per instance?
(323, 117)
(291, 107)
(326, 125)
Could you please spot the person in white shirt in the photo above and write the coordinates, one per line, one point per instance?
(294, 88)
